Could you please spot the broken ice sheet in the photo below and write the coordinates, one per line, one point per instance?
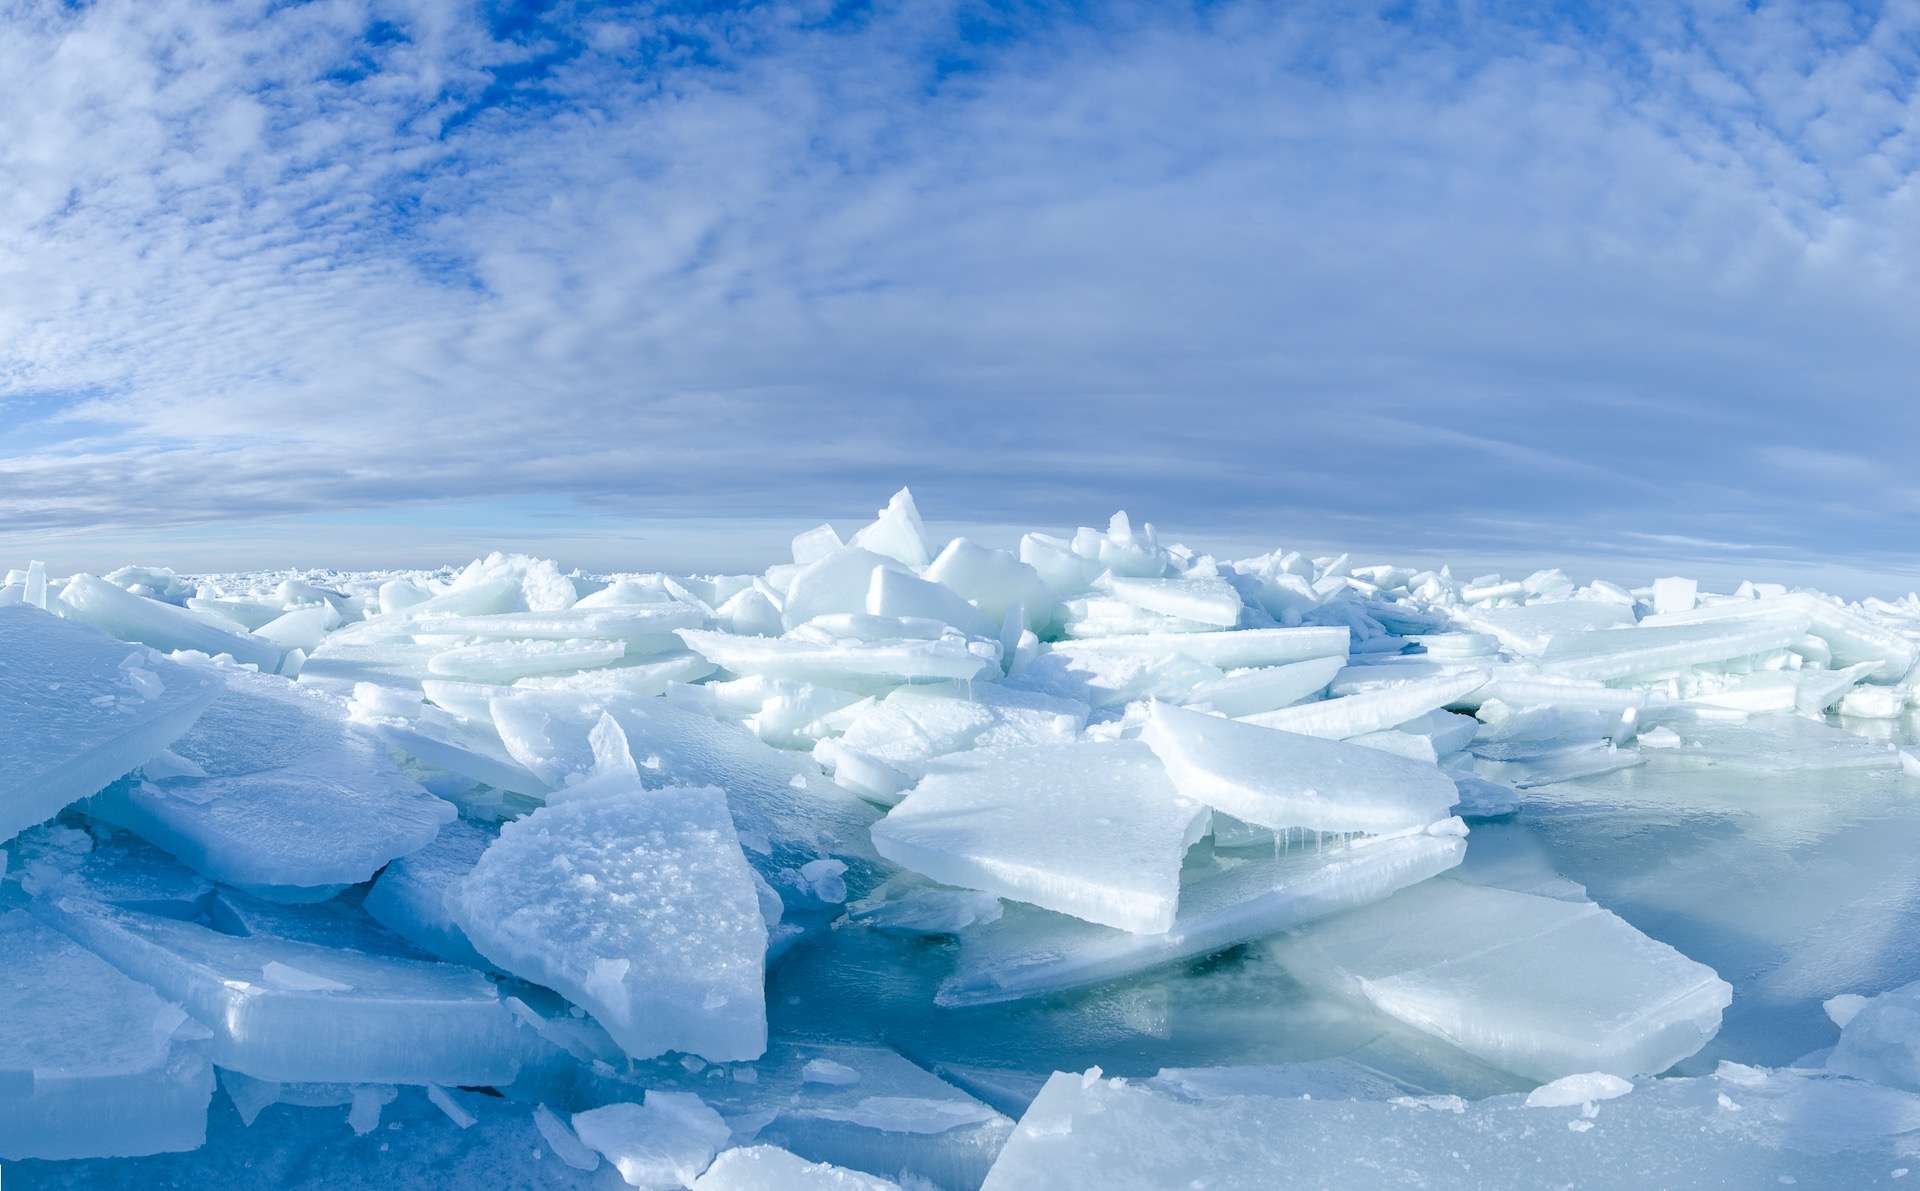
(295, 801)
(820, 653)
(1091, 829)
(92, 1064)
(79, 709)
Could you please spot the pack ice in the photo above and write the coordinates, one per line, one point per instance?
(1079, 858)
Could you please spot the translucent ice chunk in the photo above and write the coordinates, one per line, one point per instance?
(769, 1168)
(1206, 600)
(896, 593)
(1530, 629)
(645, 628)
(1282, 779)
(1539, 986)
(913, 725)
(662, 1143)
(292, 794)
(993, 580)
(1030, 953)
(1373, 710)
(72, 718)
(1880, 1041)
(1094, 830)
(92, 1064)
(636, 905)
(393, 1020)
(1852, 637)
(120, 613)
(1623, 653)
(411, 897)
(897, 533)
(505, 661)
(836, 583)
(1248, 692)
(1230, 650)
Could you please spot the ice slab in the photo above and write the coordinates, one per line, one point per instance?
(913, 725)
(897, 533)
(1373, 710)
(1266, 688)
(1540, 986)
(285, 1010)
(1282, 779)
(1530, 629)
(92, 1064)
(79, 709)
(1031, 953)
(662, 1143)
(835, 583)
(1232, 650)
(1613, 654)
(288, 793)
(1851, 636)
(638, 906)
(898, 594)
(122, 614)
(411, 898)
(1880, 1038)
(992, 580)
(506, 661)
(1109, 679)
(1205, 600)
(1091, 829)
(1743, 1127)
(471, 748)
(644, 628)
(811, 654)
(769, 1168)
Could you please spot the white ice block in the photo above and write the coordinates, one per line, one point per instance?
(644, 628)
(290, 795)
(665, 1142)
(1675, 594)
(1266, 688)
(896, 593)
(638, 906)
(1373, 710)
(287, 1010)
(836, 583)
(897, 533)
(506, 661)
(770, 1168)
(1880, 1041)
(1094, 830)
(1211, 601)
(1030, 953)
(1623, 653)
(92, 1064)
(1852, 636)
(1233, 650)
(1111, 679)
(1530, 629)
(810, 654)
(1283, 779)
(913, 725)
(1539, 986)
(1743, 1127)
(79, 709)
(993, 580)
(120, 613)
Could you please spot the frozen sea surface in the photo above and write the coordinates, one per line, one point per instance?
(906, 863)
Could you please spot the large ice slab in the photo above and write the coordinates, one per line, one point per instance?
(1090, 829)
(1531, 629)
(1742, 1127)
(1851, 637)
(1031, 952)
(287, 1010)
(92, 1064)
(814, 654)
(79, 709)
(1266, 688)
(120, 613)
(282, 792)
(1373, 710)
(506, 661)
(638, 906)
(1225, 650)
(1539, 986)
(1283, 779)
(1624, 653)
(913, 725)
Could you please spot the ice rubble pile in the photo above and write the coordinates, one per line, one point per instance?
(509, 836)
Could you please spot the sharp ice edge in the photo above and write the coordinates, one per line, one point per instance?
(360, 841)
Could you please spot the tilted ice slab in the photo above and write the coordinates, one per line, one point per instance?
(1539, 986)
(1531, 629)
(1853, 638)
(79, 709)
(471, 748)
(1092, 829)
(92, 1064)
(913, 725)
(1030, 953)
(809, 654)
(120, 613)
(1210, 601)
(644, 628)
(1266, 688)
(1612, 654)
(1283, 779)
(1111, 678)
(635, 904)
(505, 661)
(288, 796)
(412, 900)
(770, 1168)
(287, 1010)
(1374, 710)
(1742, 1127)
(1231, 650)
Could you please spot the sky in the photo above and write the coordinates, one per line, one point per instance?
(356, 283)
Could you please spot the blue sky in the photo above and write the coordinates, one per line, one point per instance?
(355, 283)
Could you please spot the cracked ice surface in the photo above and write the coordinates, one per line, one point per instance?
(849, 870)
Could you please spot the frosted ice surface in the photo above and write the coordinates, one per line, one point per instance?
(1770, 743)
(79, 709)
(92, 1064)
(1031, 952)
(122, 614)
(815, 654)
(1540, 986)
(411, 898)
(665, 1142)
(638, 906)
(1091, 829)
(1623, 653)
(1282, 779)
(769, 1168)
(1530, 629)
(1741, 1128)
(1373, 710)
(1107, 678)
(363, 1018)
(293, 796)
(505, 661)
(913, 725)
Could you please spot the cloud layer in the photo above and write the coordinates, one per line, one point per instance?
(1645, 279)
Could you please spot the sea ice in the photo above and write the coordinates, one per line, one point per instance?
(120, 613)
